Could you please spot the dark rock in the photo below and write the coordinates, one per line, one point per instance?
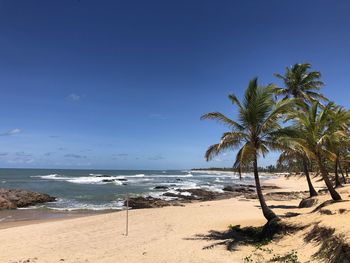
(246, 185)
(108, 180)
(308, 202)
(172, 194)
(161, 187)
(200, 194)
(103, 175)
(229, 188)
(13, 198)
(206, 195)
(146, 202)
(182, 197)
(113, 180)
(238, 189)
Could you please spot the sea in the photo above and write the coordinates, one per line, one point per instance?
(107, 189)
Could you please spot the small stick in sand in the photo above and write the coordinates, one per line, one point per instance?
(127, 215)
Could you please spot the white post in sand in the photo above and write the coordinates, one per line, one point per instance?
(127, 215)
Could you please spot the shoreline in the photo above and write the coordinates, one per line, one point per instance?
(25, 216)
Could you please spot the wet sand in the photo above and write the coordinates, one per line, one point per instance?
(20, 217)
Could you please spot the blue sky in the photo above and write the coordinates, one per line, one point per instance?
(122, 84)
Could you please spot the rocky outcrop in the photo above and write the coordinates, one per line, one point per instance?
(16, 198)
(239, 189)
(186, 195)
(179, 196)
(146, 202)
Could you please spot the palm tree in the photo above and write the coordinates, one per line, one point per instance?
(300, 83)
(297, 155)
(255, 132)
(315, 129)
(338, 147)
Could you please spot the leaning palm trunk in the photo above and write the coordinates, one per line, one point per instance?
(337, 181)
(334, 194)
(311, 187)
(268, 213)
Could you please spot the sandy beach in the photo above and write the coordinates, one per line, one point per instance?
(169, 234)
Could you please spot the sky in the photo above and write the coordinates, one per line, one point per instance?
(122, 84)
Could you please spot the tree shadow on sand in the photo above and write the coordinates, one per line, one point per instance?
(235, 235)
(283, 206)
(231, 238)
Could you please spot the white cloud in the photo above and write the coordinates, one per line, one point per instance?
(11, 132)
(21, 161)
(74, 97)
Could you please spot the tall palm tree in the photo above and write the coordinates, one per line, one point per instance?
(338, 147)
(297, 155)
(314, 131)
(300, 83)
(254, 133)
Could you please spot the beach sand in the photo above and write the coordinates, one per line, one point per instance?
(169, 234)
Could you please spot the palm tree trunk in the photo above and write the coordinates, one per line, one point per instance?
(240, 172)
(311, 187)
(342, 173)
(334, 194)
(337, 181)
(268, 213)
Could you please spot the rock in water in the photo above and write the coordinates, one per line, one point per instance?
(14, 198)
(161, 187)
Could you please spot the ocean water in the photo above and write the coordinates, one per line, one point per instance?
(106, 189)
